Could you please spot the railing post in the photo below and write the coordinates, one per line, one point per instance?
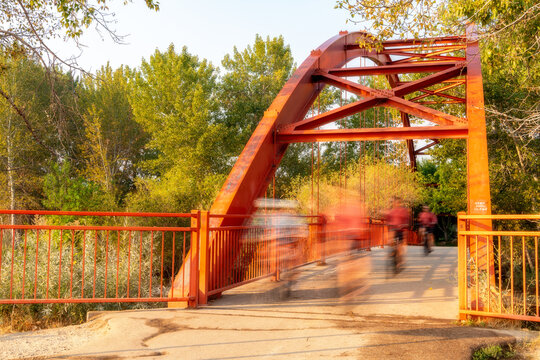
(194, 261)
(204, 236)
(322, 239)
(462, 266)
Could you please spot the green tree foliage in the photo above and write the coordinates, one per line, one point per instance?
(45, 133)
(443, 177)
(253, 77)
(114, 141)
(26, 26)
(186, 158)
(64, 190)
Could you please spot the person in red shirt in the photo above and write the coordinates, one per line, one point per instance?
(427, 221)
(398, 220)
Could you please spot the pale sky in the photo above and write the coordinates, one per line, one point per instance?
(210, 29)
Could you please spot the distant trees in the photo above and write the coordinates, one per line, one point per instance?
(252, 78)
(174, 100)
(113, 142)
(161, 137)
(42, 123)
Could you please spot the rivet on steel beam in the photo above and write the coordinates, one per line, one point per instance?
(270, 113)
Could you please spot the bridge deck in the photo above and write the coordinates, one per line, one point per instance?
(360, 284)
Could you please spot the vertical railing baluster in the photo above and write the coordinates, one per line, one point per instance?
(183, 264)
(106, 261)
(36, 264)
(83, 263)
(95, 264)
(48, 264)
(476, 265)
(511, 274)
(140, 264)
(129, 263)
(12, 263)
(71, 265)
(536, 273)
(162, 254)
(24, 264)
(500, 276)
(172, 267)
(117, 260)
(60, 263)
(524, 275)
(151, 260)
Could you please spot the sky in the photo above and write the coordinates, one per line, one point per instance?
(210, 29)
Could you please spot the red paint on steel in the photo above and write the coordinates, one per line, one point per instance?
(60, 263)
(48, 264)
(151, 261)
(94, 213)
(71, 264)
(84, 263)
(129, 262)
(477, 278)
(117, 259)
(24, 263)
(417, 132)
(36, 265)
(64, 252)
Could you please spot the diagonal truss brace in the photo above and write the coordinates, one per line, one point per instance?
(374, 97)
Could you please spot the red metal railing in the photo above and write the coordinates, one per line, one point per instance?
(498, 276)
(45, 261)
(255, 251)
(42, 262)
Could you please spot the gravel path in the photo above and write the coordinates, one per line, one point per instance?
(41, 344)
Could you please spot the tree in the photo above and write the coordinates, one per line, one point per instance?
(185, 158)
(25, 151)
(114, 141)
(26, 26)
(65, 190)
(251, 81)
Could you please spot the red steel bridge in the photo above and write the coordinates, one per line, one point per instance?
(435, 88)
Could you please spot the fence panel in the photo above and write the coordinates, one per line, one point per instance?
(44, 263)
(502, 280)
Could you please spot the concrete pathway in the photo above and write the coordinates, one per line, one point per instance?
(347, 309)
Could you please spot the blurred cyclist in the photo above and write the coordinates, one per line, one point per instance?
(285, 229)
(427, 221)
(398, 220)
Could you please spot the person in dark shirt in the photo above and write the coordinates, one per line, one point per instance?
(427, 221)
(398, 220)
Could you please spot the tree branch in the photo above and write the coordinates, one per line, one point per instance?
(23, 116)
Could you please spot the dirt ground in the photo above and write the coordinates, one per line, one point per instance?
(348, 309)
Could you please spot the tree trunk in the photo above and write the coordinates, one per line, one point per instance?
(11, 182)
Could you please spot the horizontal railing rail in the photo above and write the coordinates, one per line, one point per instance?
(94, 213)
